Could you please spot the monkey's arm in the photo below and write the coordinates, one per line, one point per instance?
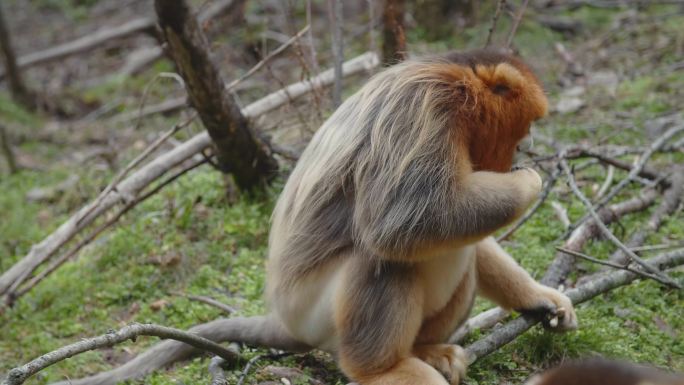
(503, 281)
(426, 215)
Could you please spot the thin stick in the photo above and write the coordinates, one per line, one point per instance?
(18, 375)
(209, 301)
(662, 278)
(499, 6)
(516, 23)
(582, 293)
(268, 58)
(608, 263)
(561, 213)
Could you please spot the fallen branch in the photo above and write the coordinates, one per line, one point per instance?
(103, 35)
(92, 40)
(562, 263)
(253, 331)
(583, 293)
(654, 147)
(18, 375)
(661, 277)
(137, 181)
(209, 301)
(608, 263)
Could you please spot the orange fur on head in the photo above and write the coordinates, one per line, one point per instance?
(508, 99)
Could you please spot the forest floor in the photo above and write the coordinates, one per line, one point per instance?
(623, 73)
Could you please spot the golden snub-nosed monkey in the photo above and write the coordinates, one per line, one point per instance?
(381, 237)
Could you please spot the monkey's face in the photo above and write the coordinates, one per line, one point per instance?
(508, 98)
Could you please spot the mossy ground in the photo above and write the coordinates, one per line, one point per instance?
(188, 239)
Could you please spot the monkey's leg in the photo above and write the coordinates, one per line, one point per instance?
(378, 315)
(502, 280)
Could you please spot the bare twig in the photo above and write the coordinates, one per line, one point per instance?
(662, 278)
(499, 6)
(135, 162)
(18, 375)
(335, 12)
(209, 301)
(608, 263)
(268, 58)
(585, 292)
(485, 320)
(516, 23)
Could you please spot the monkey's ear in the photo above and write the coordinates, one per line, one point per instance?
(502, 79)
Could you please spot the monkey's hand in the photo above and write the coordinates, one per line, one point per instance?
(449, 360)
(554, 307)
(528, 182)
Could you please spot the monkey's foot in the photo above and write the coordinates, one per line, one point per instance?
(450, 360)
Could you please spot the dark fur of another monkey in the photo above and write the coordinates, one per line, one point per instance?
(382, 235)
(605, 372)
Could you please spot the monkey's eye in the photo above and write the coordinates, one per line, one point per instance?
(500, 89)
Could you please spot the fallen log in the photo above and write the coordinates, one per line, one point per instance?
(103, 35)
(583, 293)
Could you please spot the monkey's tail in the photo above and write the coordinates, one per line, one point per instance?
(265, 331)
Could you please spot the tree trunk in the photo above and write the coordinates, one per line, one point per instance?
(238, 149)
(20, 93)
(393, 37)
(7, 150)
(441, 18)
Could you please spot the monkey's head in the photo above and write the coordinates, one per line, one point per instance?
(508, 98)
